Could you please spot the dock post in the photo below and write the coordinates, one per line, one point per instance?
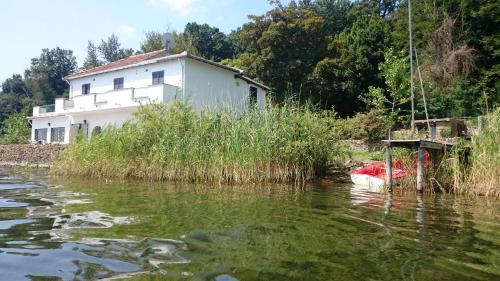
(388, 167)
(420, 170)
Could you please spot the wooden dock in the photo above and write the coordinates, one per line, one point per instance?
(420, 146)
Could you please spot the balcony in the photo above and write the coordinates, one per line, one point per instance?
(114, 99)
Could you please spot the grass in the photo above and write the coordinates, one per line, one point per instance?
(483, 177)
(287, 143)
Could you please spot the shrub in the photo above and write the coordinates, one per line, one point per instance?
(371, 126)
(15, 129)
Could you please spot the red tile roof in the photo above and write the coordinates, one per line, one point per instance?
(122, 63)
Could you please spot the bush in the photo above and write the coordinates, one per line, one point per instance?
(285, 143)
(371, 126)
(15, 129)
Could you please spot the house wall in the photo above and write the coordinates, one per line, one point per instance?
(43, 123)
(208, 86)
(103, 118)
(136, 77)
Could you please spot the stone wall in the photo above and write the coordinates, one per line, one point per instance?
(29, 155)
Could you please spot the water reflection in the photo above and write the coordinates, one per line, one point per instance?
(89, 230)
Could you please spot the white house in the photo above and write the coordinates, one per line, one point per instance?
(109, 94)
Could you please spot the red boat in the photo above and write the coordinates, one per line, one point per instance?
(373, 175)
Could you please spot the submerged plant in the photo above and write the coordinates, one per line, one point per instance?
(172, 142)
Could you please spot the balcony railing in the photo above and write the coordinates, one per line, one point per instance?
(114, 99)
(48, 108)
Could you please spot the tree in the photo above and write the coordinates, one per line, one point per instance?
(9, 103)
(92, 59)
(203, 40)
(152, 42)
(44, 78)
(389, 99)
(15, 85)
(111, 50)
(283, 46)
(335, 14)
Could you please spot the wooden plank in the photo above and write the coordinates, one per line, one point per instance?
(431, 145)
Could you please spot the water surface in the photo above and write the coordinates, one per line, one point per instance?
(86, 230)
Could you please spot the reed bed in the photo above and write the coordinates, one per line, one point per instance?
(286, 143)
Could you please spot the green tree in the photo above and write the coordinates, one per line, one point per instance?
(336, 15)
(44, 78)
(391, 99)
(111, 49)
(153, 42)
(9, 103)
(15, 85)
(203, 40)
(92, 59)
(283, 46)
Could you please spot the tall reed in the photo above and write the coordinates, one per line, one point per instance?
(287, 143)
(484, 174)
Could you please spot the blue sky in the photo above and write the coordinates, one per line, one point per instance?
(28, 26)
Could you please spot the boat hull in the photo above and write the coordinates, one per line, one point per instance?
(367, 180)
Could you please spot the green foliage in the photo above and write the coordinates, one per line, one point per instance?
(15, 129)
(484, 177)
(92, 59)
(15, 85)
(283, 46)
(44, 77)
(390, 99)
(371, 126)
(9, 103)
(203, 40)
(110, 49)
(285, 143)
(152, 42)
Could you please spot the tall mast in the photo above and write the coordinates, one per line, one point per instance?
(411, 70)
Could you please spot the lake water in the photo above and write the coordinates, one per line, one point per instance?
(85, 230)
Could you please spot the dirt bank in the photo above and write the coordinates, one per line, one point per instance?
(29, 155)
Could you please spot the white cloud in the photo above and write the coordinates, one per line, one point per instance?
(127, 29)
(184, 7)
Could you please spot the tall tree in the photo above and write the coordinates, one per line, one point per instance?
(44, 78)
(153, 41)
(203, 40)
(92, 59)
(283, 46)
(15, 85)
(111, 50)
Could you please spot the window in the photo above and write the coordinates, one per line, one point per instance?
(41, 135)
(57, 134)
(86, 89)
(253, 96)
(157, 77)
(118, 82)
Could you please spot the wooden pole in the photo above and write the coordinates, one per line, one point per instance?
(420, 170)
(411, 70)
(388, 167)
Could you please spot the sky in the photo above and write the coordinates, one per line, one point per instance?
(28, 26)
